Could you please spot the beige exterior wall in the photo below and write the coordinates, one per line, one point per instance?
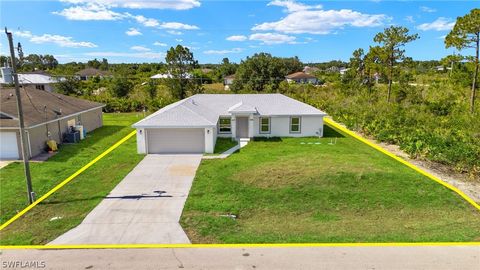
(38, 136)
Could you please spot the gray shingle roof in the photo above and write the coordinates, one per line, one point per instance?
(203, 110)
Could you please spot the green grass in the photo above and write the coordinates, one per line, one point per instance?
(223, 144)
(76, 199)
(283, 191)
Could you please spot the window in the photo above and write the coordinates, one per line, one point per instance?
(225, 125)
(40, 87)
(264, 125)
(295, 125)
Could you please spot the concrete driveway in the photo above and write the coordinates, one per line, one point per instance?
(144, 208)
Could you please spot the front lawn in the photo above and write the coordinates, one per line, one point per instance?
(75, 200)
(223, 144)
(296, 190)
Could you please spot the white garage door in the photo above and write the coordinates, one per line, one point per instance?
(176, 140)
(8, 145)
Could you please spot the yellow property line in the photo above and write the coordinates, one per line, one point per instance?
(64, 182)
(401, 160)
(124, 246)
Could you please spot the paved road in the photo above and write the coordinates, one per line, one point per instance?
(352, 258)
(144, 208)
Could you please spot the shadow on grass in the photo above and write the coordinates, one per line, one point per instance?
(329, 132)
(267, 139)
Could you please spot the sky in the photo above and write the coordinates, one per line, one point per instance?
(126, 31)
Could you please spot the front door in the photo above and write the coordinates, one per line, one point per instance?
(242, 127)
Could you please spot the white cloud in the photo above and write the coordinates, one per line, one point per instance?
(292, 6)
(427, 9)
(61, 41)
(140, 48)
(410, 19)
(142, 4)
(90, 12)
(440, 24)
(157, 43)
(178, 26)
(311, 19)
(24, 34)
(237, 38)
(272, 38)
(144, 55)
(173, 32)
(148, 22)
(234, 50)
(179, 40)
(133, 32)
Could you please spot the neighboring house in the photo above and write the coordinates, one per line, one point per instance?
(88, 73)
(301, 77)
(168, 75)
(36, 80)
(47, 116)
(343, 70)
(228, 81)
(192, 125)
(310, 70)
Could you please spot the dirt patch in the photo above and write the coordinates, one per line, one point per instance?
(182, 170)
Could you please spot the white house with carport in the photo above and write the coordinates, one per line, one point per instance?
(192, 125)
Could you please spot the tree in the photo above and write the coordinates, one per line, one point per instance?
(121, 86)
(69, 86)
(180, 63)
(357, 64)
(151, 89)
(466, 34)
(262, 71)
(393, 39)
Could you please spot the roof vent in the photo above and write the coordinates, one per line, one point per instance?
(193, 102)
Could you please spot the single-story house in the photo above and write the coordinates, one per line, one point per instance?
(301, 77)
(47, 116)
(192, 125)
(168, 75)
(89, 73)
(228, 81)
(37, 80)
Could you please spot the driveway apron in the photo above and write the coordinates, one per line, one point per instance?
(144, 208)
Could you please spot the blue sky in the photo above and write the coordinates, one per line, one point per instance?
(143, 30)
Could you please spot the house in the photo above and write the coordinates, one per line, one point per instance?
(310, 70)
(36, 80)
(228, 81)
(47, 116)
(168, 75)
(192, 125)
(343, 70)
(89, 73)
(301, 77)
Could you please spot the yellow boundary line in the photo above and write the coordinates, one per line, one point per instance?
(125, 246)
(328, 121)
(401, 160)
(64, 182)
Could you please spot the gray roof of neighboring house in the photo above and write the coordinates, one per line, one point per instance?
(92, 72)
(35, 78)
(300, 75)
(39, 106)
(203, 110)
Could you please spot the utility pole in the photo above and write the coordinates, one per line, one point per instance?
(25, 156)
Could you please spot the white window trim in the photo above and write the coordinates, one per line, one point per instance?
(269, 125)
(219, 126)
(299, 125)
